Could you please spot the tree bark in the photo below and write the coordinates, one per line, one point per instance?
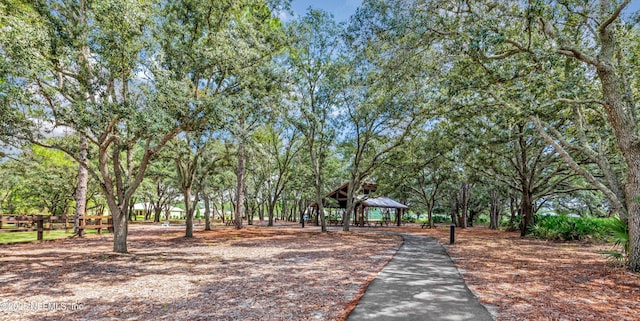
(120, 219)
(81, 189)
(464, 191)
(494, 211)
(526, 213)
(625, 130)
(189, 208)
(271, 210)
(454, 207)
(621, 115)
(207, 212)
(240, 185)
(351, 206)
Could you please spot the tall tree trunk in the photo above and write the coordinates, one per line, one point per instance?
(319, 200)
(224, 214)
(207, 212)
(526, 213)
(240, 185)
(284, 207)
(81, 189)
(157, 211)
(248, 206)
(190, 209)
(464, 190)
(494, 211)
(354, 185)
(454, 206)
(270, 213)
(120, 217)
(120, 231)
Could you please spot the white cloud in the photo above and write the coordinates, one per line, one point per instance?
(284, 16)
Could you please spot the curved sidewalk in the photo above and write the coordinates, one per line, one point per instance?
(419, 283)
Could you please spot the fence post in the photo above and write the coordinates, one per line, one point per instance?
(40, 224)
(99, 221)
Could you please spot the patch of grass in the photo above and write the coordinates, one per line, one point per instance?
(20, 237)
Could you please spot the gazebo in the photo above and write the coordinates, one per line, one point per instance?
(362, 203)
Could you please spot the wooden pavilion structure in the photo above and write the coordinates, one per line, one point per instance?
(337, 199)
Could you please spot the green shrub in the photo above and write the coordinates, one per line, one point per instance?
(483, 219)
(505, 220)
(409, 218)
(618, 232)
(438, 218)
(565, 228)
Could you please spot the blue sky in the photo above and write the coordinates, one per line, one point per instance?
(343, 9)
(632, 7)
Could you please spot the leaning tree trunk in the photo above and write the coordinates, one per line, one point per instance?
(633, 192)
(81, 189)
(624, 125)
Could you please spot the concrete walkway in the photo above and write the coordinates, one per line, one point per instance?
(419, 283)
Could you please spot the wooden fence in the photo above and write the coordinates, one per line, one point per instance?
(40, 223)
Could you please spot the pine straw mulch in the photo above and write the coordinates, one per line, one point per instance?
(258, 273)
(529, 279)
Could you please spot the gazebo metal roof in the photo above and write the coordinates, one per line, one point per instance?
(340, 196)
(382, 202)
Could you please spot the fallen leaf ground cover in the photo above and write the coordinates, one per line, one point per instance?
(258, 273)
(529, 279)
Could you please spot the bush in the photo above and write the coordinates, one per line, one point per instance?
(482, 219)
(564, 228)
(438, 218)
(409, 218)
(618, 233)
(506, 220)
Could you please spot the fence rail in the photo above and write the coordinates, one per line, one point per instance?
(41, 223)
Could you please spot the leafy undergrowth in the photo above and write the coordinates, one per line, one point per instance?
(530, 279)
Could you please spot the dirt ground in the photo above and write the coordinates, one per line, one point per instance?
(287, 273)
(254, 274)
(528, 279)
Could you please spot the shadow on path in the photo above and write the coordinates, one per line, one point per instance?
(419, 283)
